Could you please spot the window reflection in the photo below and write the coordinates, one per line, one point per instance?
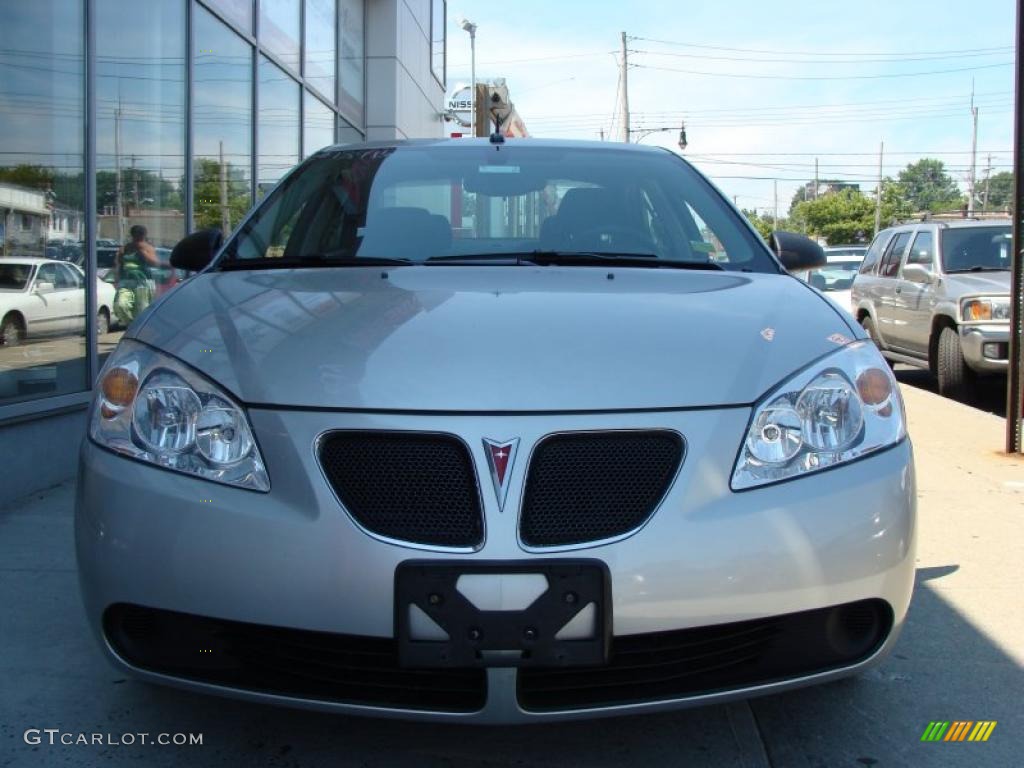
(279, 30)
(320, 52)
(140, 147)
(222, 124)
(318, 125)
(278, 124)
(42, 190)
(350, 60)
(237, 11)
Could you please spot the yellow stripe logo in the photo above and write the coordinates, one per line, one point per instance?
(958, 730)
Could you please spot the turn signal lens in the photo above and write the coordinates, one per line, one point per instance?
(874, 387)
(119, 387)
(977, 310)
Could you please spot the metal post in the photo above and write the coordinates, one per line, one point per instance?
(624, 92)
(89, 198)
(1015, 383)
(472, 76)
(988, 183)
(775, 210)
(878, 190)
(974, 156)
(815, 178)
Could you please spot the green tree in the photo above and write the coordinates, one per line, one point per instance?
(1000, 191)
(846, 216)
(209, 209)
(825, 186)
(927, 186)
(765, 224)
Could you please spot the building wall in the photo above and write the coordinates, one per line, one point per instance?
(264, 94)
(404, 97)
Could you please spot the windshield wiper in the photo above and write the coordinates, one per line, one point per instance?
(977, 269)
(578, 258)
(312, 260)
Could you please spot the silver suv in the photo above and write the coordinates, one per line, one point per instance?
(936, 294)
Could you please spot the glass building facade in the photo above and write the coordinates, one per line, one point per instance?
(125, 125)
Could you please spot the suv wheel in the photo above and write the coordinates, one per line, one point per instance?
(956, 380)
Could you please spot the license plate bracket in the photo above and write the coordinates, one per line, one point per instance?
(503, 638)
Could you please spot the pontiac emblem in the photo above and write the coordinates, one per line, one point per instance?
(501, 455)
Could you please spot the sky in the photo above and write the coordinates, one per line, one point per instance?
(764, 88)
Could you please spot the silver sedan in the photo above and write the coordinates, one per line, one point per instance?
(495, 431)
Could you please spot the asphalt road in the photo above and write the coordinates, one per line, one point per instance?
(960, 658)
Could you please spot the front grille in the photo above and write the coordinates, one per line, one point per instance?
(349, 669)
(589, 486)
(415, 487)
(692, 662)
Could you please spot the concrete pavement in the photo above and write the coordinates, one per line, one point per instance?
(960, 658)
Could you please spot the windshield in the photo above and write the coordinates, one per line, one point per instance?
(966, 249)
(492, 204)
(14, 277)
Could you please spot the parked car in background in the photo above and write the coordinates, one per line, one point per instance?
(836, 277)
(936, 294)
(44, 297)
(596, 454)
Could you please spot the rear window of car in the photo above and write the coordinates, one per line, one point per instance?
(14, 276)
(416, 203)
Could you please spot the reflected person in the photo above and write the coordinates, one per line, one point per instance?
(133, 283)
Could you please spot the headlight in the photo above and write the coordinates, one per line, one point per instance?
(839, 409)
(994, 308)
(153, 408)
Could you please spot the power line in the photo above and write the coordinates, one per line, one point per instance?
(823, 77)
(822, 53)
(766, 60)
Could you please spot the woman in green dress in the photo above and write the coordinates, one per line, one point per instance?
(132, 282)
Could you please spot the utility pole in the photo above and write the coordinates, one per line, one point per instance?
(878, 190)
(775, 214)
(135, 187)
(118, 193)
(624, 91)
(815, 178)
(988, 179)
(225, 219)
(974, 155)
(602, 134)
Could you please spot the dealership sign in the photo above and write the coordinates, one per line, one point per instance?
(461, 103)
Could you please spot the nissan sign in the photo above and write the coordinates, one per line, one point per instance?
(461, 103)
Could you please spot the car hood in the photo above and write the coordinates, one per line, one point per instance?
(457, 338)
(964, 283)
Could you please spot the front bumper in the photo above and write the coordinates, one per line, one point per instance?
(973, 342)
(293, 559)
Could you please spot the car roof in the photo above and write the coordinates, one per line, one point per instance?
(954, 223)
(446, 144)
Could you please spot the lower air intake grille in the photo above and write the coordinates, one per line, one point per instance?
(350, 669)
(415, 487)
(589, 486)
(692, 662)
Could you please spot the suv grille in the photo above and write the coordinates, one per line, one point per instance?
(412, 487)
(590, 486)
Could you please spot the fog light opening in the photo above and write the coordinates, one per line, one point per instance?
(852, 630)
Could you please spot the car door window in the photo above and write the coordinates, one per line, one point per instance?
(923, 250)
(47, 274)
(874, 251)
(891, 261)
(68, 277)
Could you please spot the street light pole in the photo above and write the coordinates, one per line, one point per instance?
(470, 27)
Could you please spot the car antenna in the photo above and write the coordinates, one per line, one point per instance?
(497, 137)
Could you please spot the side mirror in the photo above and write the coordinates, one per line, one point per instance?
(196, 251)
(797, 252)
(917, 273)
(43, 287)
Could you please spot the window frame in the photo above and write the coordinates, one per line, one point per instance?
(891, 257)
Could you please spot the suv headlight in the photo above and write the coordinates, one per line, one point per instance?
(840, 408)
(985, 308)
(153, 408)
